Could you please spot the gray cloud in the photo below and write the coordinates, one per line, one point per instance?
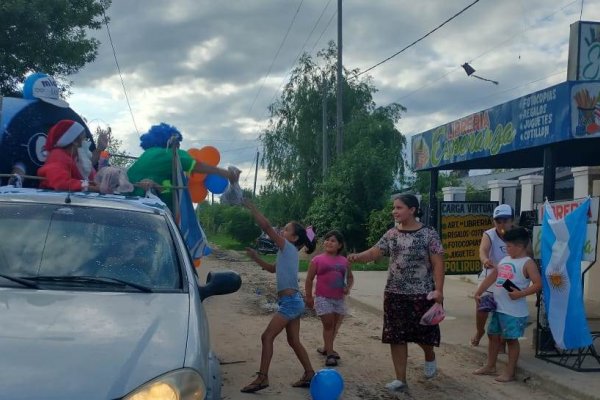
(199, 64)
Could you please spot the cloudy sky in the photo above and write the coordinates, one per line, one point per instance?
(202, 65)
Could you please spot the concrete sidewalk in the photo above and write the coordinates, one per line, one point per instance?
(459, 326)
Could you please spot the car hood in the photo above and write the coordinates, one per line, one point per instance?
(87, 345)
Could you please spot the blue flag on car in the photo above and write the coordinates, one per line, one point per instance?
(186, 219)
(562, 251)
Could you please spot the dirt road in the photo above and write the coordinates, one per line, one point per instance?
(238, 320)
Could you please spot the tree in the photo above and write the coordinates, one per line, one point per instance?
(360, 182)
(293, 145)
(46, 36)
(114, 147)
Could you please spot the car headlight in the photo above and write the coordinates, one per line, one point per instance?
(183, 384)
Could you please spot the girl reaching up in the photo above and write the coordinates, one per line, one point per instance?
(291, 305)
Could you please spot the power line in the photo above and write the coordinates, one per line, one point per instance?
(238, 149)
(418, 40)
(581, 12)
(119, 70)
(275, 57)
(251, 167)
(499, 45)
(301, 50)
(323, 31)
(478, 100)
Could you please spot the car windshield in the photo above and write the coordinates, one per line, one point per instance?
(52, 244)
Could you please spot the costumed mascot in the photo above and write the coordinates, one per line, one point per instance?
(25, 122)
(165, 167)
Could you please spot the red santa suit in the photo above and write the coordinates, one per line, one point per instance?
(61, 169)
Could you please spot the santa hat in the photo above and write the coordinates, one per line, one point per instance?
(63, 133)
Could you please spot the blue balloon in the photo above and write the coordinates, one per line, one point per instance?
(327, 384)
(216, 183)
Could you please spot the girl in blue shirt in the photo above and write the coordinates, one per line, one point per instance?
(291, 304)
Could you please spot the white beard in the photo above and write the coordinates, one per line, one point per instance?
(84, 161)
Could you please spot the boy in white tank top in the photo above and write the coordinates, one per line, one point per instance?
(515, 277)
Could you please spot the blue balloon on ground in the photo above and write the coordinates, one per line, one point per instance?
(216, 183)
(327, 384)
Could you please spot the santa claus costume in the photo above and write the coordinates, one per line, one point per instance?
(68, 165)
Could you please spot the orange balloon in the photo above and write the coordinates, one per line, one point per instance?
(198, 191)
(207, 155)
(196, 177)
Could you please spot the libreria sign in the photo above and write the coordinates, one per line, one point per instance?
(570, 110)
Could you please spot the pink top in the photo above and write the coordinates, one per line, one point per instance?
(331, 274)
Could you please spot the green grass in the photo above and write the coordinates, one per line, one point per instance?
(226, 242)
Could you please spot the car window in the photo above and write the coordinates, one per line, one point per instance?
(64, 240)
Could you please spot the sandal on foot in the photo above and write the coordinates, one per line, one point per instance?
(331, 361)
(261, 382)
(321, 351)
(304, 382)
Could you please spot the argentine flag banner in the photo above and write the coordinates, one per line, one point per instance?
(186, 219)
(562, 252)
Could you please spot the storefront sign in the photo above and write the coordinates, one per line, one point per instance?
(561, 112)
(462, 225)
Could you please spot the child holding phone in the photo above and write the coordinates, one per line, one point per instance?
(515, 277)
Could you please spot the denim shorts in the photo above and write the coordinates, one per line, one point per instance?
(291, 306)
(507, 326)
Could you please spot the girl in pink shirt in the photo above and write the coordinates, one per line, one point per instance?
(334, 281)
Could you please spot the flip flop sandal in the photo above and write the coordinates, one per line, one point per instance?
(331, 361)
(256, 386)
(304, 382)
(322, 352)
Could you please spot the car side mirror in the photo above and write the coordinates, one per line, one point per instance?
(222, 282)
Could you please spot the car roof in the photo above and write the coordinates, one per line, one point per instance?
(39, 196)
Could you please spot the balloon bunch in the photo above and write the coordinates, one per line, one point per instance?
(201, 184)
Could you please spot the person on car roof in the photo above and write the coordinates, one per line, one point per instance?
(69, 162)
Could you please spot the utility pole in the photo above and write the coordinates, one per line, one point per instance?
(324, 128)
(339, 116)
(255, 175)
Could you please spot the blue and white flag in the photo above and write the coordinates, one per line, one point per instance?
(186, 219)
(562, 252)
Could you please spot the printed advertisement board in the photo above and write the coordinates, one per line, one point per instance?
(569, 110)
(461, 227)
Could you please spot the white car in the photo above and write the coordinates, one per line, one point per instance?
(99, 299)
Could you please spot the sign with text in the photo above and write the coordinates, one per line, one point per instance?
(561, 209)
(584, 51)
(567, 111)
(462, 224)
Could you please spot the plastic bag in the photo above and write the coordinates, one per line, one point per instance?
(233, 195)
(113, 180)
(434, 315)
(487, 303)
